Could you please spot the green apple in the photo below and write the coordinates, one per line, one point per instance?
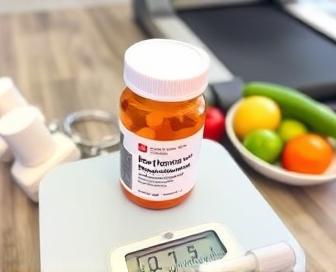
(265, 144)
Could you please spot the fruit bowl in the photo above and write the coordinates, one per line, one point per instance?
(274, 171)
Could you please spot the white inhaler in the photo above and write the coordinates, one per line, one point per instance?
(10, 98)
(35, 149)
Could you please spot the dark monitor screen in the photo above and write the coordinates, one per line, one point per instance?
(263, 42)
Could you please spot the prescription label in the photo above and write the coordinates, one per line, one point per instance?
(158, 170)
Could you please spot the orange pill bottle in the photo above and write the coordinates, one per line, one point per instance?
(161, 121)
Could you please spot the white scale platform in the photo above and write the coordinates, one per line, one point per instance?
(84, 214)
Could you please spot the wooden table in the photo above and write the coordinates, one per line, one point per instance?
(69, 60)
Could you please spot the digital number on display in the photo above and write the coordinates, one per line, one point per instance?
(174, 256)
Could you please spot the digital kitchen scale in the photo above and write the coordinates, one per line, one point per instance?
(292, 43)
(87, 224)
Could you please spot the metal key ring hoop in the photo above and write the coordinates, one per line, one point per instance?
(98, 116)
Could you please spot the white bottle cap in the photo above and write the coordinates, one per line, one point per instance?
(27, 136)
(10, 97)
(166, 70)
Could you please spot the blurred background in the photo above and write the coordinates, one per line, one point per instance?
(67, 55)
(31, 5)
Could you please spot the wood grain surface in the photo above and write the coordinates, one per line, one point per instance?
(69, 60)
(41, 5)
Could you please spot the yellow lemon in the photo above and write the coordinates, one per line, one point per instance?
(256, 112)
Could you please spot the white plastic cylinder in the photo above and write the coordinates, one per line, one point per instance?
(10, 97)
(241, 264)
(273, 258)
(27, 136)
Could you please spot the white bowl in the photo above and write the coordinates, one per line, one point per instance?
(273, 171)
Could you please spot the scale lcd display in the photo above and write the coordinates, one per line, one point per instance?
(175, 256)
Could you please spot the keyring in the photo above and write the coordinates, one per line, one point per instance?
(88, 146)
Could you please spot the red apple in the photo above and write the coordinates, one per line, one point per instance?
(214, 124)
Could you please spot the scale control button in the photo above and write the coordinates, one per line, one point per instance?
(168, 235)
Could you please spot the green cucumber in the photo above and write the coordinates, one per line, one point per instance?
(299, 106)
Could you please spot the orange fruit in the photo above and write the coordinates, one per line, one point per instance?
(256, 112)
(308, 153)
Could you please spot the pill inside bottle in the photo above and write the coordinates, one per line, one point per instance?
(162, 112)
